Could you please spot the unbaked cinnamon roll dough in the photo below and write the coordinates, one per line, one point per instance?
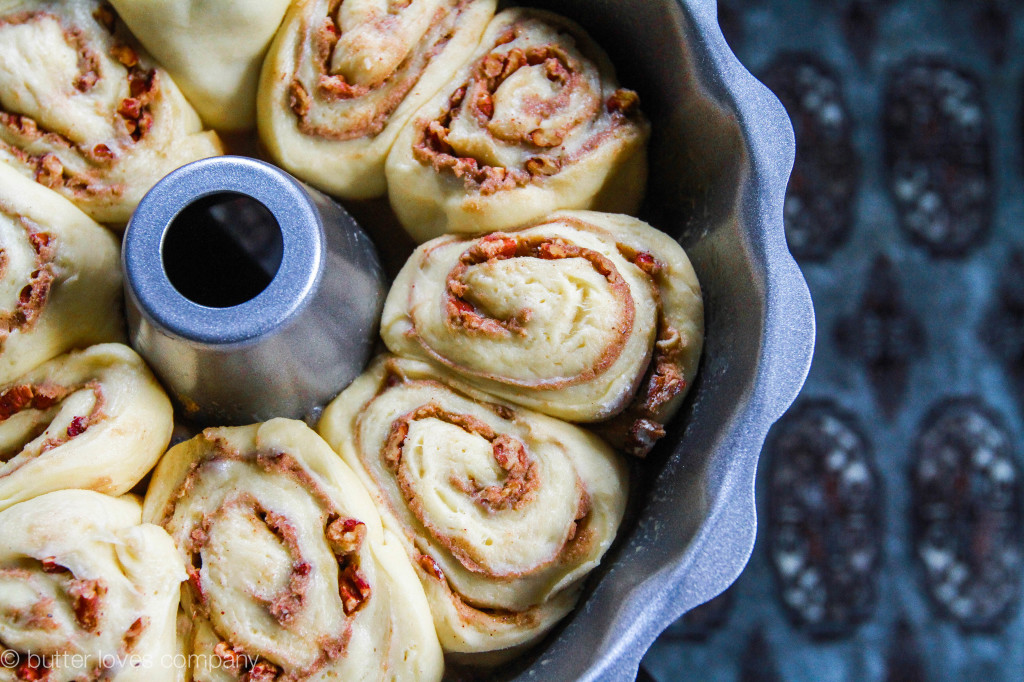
(213, 50)
(85, 111)
(60, 277)
(503, 510)
(492, 514)
(290, 572)
(584, 316)
(535, 122)
(87, 591)
(342, 78)
(93, 419)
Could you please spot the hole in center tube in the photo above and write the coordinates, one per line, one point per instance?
(222, 250)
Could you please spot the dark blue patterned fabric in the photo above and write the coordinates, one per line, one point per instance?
(890, 538)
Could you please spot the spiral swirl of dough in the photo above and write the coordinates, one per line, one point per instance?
(87, 591)
(503, 510)
(60, 279)
(585, 316)
(344, 76)
(93, 419)
(291, 575)
(534, 123)
(85, 112)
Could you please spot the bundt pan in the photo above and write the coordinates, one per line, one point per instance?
(720, 157)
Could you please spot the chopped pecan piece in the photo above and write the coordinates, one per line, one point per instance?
(263, 671)
(346, 535)
(234, 659)
(298, 98)
(354, 590)
(87, 595)
(428, 564)
(125, 55)
(623, 101)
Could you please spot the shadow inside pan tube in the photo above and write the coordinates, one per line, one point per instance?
(222, 250)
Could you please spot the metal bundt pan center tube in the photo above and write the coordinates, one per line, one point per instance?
(721, 152)
(251, 295)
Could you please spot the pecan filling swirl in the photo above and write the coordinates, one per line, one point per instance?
(344, 76)
(92, 419)
(586, 316)
(290, 574)
(84, 587)
(84, 112)
(564, 101)
(38, 257)
(535, 122)
(40, 405)
(463, 316)
(503, 510)
(60, 283)
(359, 49)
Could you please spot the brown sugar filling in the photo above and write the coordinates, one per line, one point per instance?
(580, 539)
(431, 145)
(42, 397)
(18, 132)
(462, 315)
(640, 425)
(32, 297)
(344, 537)
(522, 479)
(330, 88)
(521, 473)
(87, 600)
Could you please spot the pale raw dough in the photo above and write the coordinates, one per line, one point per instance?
(212, 48)
(93, 419)
(329, 112)
(561, 318)
(280, 540)
(72, 268)
(86, 112)
(101, 587)
(504, 510)
(533, 123)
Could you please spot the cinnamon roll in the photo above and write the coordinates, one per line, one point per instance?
(586, 316)
(535, 122)
(291, 575)
(87, 591)
(60, 279)
(93, 419)
(343, 77)
(213, 50)
(86, 112)
(504, 511)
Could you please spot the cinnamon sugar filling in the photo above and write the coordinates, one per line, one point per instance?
(462, 315)
(330, 88)
(521, 473)
(519, 488)
(640, 425)
(86, 598)
(344, 536)
(32, 297)
(431, 145)
(43, 397)
(18, 132)
(580, 538)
